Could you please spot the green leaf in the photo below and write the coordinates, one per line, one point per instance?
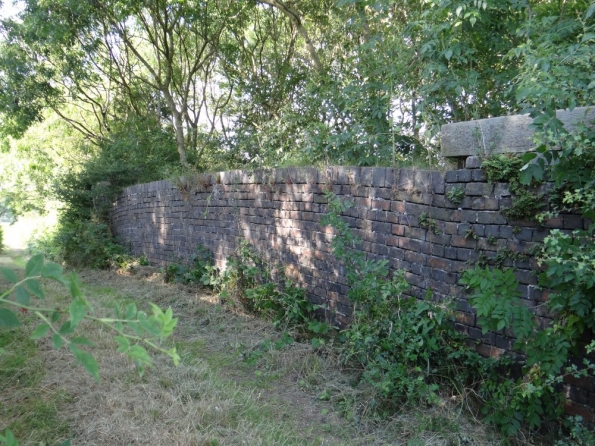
(55, 316)
(57, 341)
(65, 443)
(8, 439)
(87, 361)
(34, 265)
(151, 326)
(66, 328)
(529, 172)
(75, 290)
(21, 295)
(590, 11)
(9, 275)
(40, 331)
(77, 310)
(588, 36)
(52, 270)
(131, 312)
(81, 340)
(8, 318)
(123, 342)
(35, 288)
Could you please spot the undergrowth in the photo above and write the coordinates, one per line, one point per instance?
(26, 412)
(526, 202)
(407, 348)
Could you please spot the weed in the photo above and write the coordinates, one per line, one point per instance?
(201, 269)
(471, 234)
(456, 195)
(428, 223)
(504, 168)
(248, 282)
(533, 399)
(492, 240)
(405, 346)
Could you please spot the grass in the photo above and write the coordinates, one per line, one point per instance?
(29, 409)
(237, 384)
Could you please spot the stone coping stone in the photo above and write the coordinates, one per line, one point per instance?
(504, 134)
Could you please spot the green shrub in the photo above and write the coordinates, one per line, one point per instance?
(200, 270)
(406, 347)
(1, 239)
(247, 281)
(81, 244)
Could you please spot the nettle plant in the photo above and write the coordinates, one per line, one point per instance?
(133, 329)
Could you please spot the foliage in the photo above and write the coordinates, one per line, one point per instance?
(1, 239)
(456, 195)
(81, 244)
(248, 281)
(579, 434)
(137, 153)
(535, 398)
(428, 223)
(201, 269)
(570, 272)
(503, 168)
(405, 345)
(132, 328)
(506, 168)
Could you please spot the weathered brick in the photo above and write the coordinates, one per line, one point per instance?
(440, 239)
(281, 221)
(490, 351)
(438, 186)
(479, 189)
(451, 176)
(415, 257)
(574, 409)
(378, 176)
(413, 245)
(463, 242)
(450, 252)
(416, 233)
(490, 218)
(472, 162)
(398, 230)
(571, 221)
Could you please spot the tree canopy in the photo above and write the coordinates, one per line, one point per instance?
(270, 82)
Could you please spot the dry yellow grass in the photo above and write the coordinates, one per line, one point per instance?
(291, 396)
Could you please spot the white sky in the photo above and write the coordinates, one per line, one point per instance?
(10, 8)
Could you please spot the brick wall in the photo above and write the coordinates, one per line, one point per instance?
(278, 212)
